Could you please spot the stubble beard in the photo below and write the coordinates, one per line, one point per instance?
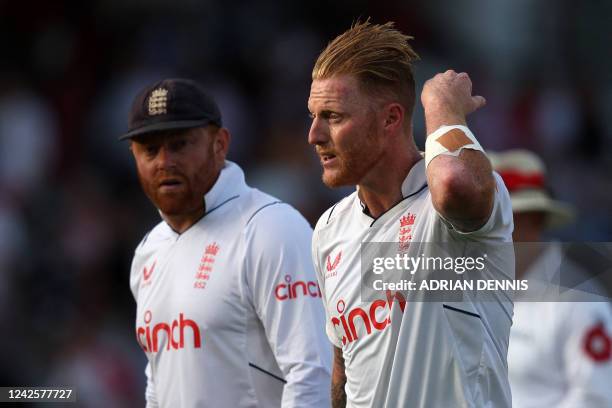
(172, 203)
(355, 161)
(190, 199)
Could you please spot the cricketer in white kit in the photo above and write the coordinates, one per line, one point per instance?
(229, 312)
(560, 352)
(406, 349)
(414, 354)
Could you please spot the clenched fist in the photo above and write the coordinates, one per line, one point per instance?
(447, 99)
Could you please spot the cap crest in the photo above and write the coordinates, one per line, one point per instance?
(157, 102)
(173, 104)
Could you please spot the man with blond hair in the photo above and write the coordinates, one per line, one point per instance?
(402, 350)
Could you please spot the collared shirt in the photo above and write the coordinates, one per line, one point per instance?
(421, 354)
(560, 353)
(229, 313)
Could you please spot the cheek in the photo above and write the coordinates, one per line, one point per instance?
(201, 167)
(343, 136)
(145, 170)
(355, 137)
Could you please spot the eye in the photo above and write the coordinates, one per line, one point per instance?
(178, 144)
(331, 116)
(151, 150)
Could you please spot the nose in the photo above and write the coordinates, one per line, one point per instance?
(318, 133)
(166, 157)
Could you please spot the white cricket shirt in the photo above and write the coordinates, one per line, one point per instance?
(229, 313)
(400, 353)
(560, 353)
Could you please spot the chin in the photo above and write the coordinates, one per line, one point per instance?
(337, 179)
(172, 205)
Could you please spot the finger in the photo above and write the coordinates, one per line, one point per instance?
(463, 76)
(465, 80)
(479, 101)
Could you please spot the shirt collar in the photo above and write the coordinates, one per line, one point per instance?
(229, 184)
(415, 180)
(413, 183)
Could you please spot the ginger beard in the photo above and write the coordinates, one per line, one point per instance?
(355, 159)
(196, 178)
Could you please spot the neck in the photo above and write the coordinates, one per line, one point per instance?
(182, 222)
(381, 189)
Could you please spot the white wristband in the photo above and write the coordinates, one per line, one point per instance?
(444, 141)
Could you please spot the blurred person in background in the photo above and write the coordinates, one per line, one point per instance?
(410, 351)
(228, 308)
(560, 353)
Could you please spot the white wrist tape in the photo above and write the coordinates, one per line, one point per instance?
(450, 140)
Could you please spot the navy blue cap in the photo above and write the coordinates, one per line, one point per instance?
(171, 104)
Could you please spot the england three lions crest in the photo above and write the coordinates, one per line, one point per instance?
(405, 231)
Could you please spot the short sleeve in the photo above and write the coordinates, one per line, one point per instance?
(500, 224)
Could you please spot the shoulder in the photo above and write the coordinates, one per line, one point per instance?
(158, 235)
(265, 215)
(336, 212)
(585, 312)
(145, 253)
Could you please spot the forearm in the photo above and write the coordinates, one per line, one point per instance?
(338, 394)
(461, 186)
(437, 116)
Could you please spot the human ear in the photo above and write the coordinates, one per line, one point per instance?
(393, 117)
(221, 143)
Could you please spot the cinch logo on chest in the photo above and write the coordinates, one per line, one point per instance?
(289, 290)
(152, 337)
(367, 317)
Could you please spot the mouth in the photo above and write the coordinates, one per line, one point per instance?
(170, 184)
(327, 159)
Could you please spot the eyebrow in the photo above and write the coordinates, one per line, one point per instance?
(325, 104)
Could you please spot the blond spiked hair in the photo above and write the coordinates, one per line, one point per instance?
(378, 55)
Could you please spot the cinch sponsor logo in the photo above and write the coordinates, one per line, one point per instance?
(346, 322)
(289, 290)
(149, 338)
